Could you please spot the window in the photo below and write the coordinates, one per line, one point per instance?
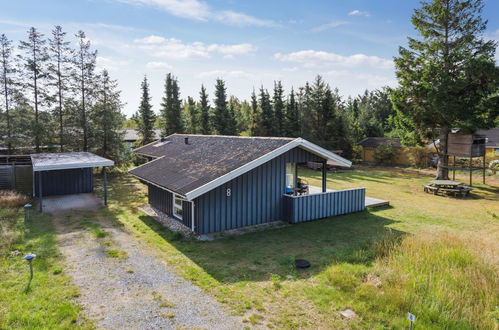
(497, 151)
(177, 206)
(290, 177)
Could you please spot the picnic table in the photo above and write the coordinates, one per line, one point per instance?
(446, 188)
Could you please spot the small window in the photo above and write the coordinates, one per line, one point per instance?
(497, 151)
(177, 206)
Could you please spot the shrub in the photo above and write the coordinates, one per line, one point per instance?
(494, 166)
(12, 198)
(419, 157)
(386, 154)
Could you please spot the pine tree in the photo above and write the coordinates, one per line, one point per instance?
(255, 125)
(232, 112)
(204, 112)
(6, 80)
(171, 107)
(220, 111)
(267, 113)
(278, 109)
(60, 58)
(292, 123)
(191, 116)
(34, 59)
(145, 117)
(448, 77)
(107, 119)
(84, 60)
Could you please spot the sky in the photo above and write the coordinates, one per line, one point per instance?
(247, 43)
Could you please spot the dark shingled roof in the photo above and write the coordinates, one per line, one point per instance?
(185, 167)
(378, 141)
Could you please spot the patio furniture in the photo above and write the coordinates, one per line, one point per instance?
(301, 187)
(447, 188)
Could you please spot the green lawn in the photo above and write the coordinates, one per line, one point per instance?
(434, 256)
(46, 302)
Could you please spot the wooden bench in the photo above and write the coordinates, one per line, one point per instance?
(462, 191)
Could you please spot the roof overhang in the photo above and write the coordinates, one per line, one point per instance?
(67, 160)
(299, 142)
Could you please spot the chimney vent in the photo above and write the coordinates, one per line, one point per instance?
(186, 139)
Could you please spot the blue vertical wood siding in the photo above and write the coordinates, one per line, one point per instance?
(323, 205)
(65, 182)
(163, 200)
(255, 197)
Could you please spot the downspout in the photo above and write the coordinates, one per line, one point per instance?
(193, 227)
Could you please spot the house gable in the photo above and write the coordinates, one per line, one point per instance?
(252, 198)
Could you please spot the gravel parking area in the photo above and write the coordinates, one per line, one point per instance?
(134, 289)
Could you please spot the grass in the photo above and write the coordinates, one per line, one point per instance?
(12, 198)
(429, 255)
(46, 302)
(116, 253)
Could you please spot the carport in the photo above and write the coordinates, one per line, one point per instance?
(66, 173)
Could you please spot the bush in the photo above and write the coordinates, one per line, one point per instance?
(12, 198)
(386, 154)
(419, 157)
(494, 166)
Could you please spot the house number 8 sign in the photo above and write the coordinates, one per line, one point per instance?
(228, 192)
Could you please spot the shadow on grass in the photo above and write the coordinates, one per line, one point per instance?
(254, 256)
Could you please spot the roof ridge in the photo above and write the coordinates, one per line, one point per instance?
(237, 136)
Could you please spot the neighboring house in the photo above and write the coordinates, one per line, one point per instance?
(370, 145)
(491, 142)
(131, 135)
(216, 183)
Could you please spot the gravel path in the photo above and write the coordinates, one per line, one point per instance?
(135, 291)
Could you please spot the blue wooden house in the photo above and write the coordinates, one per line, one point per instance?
(214, 183)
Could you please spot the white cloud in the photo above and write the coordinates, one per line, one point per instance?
(152, 39)
(158, 66)
(239, 19)
(313, 58)
(226, 74)
(329, 25)
(176, 49)
(357, 12)
(192, 9)
(201, 11)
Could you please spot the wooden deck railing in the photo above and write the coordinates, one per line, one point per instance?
(323, 205)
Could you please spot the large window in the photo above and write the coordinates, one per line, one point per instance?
(177, 206)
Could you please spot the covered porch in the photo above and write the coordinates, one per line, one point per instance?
(306, 202)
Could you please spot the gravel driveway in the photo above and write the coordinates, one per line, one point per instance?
(134, 290)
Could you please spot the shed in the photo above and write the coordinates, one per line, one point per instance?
(66, 173)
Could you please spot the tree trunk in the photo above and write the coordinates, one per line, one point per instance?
(443, 158)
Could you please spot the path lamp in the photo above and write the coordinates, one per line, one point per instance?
(27, 209)
(30, 258)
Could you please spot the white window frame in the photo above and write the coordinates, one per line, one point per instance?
(177, 206)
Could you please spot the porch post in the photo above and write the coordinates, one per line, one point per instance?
(104, 174)
(40, 190)
(324, 175)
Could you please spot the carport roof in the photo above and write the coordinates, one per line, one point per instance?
(67, 160)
